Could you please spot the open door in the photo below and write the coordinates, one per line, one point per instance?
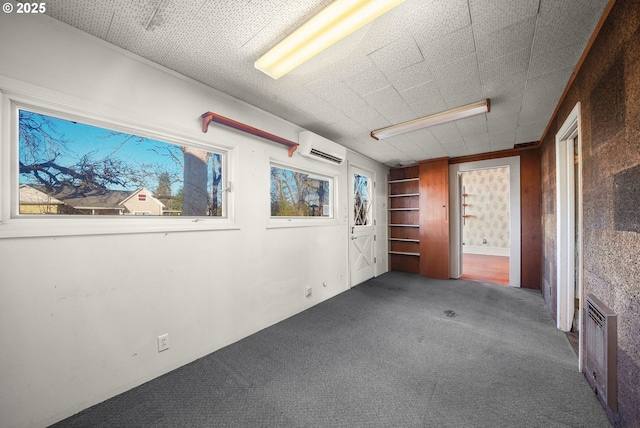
(361, 226)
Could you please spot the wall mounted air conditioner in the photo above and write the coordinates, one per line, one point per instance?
(316, 147)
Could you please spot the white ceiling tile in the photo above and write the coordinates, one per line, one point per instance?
(505, 122)
(473, 125)
(93, 18)
(368, 118)
(492, 15)
(336, 93)
(570, 18)
(370, 80)
(418, 94)
(543, 87)
(478, 142)
(448, 48)
(505, 71)
(424, 138)
(446, 132)
(502, 140)
(455, 148)
(509, 39)
(547, 61)
(459, 82)
(429, 105)
(529, 132)
(399, 54)
(390, 105)
(409, 77)
(437, 18)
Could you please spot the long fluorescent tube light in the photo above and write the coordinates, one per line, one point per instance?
(435, 119)
(330, 25)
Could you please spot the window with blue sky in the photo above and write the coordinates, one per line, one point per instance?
(68, 167)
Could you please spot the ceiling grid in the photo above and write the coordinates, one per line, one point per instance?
(420, 58)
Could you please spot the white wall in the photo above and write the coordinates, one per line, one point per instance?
(78, 321)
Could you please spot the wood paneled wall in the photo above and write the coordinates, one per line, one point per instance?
(434, 218)
(531, 219)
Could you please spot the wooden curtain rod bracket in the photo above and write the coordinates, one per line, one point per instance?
(209, 117)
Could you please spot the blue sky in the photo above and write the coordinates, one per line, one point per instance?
(73, 140)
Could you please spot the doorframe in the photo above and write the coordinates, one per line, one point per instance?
(374, 220)
(455, 226)
(566, 215)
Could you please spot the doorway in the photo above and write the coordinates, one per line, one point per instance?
(361, 226)
(569, 283)
(485, 195)
(512, 251)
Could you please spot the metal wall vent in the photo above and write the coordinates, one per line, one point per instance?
(327, 156)
(601, 349)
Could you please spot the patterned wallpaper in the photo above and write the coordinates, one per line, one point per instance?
(488, 205)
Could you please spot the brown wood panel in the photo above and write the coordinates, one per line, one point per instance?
(434, 218)
(409, 264)
(405, 247)
(404, 232)
(406, 202)
(403, 187)
(531, 219)
(404, 217)
(401, 173)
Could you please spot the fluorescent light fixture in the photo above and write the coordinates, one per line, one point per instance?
(435, 119)
(330, 25)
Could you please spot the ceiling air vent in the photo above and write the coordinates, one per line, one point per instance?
(319, 148)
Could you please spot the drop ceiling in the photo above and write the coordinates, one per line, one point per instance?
(423, 57)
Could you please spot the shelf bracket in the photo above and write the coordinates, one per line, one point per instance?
(209, 117)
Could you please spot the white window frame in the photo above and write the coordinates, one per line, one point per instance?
(38, 100)
(278, 222)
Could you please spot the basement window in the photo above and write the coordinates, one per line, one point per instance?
(298, 193)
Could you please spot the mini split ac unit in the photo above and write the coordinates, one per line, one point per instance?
(316, 147)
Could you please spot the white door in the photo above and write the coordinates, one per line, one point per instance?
(361, 226)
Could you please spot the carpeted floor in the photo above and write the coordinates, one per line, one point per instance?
(396, 351)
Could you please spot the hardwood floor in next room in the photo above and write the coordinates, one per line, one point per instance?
(480, 267)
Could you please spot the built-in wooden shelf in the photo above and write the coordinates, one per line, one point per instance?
(404, 195)
(404, 180)
(404, 253)
(404, 200)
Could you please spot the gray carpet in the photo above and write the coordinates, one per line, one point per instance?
(396, 351)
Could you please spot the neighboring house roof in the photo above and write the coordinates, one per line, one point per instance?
(141, 190)
(94, 199)
(32, 196)
(97, 199)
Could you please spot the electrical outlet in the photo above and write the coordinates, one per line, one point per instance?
(307, 292)
(163, 342)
